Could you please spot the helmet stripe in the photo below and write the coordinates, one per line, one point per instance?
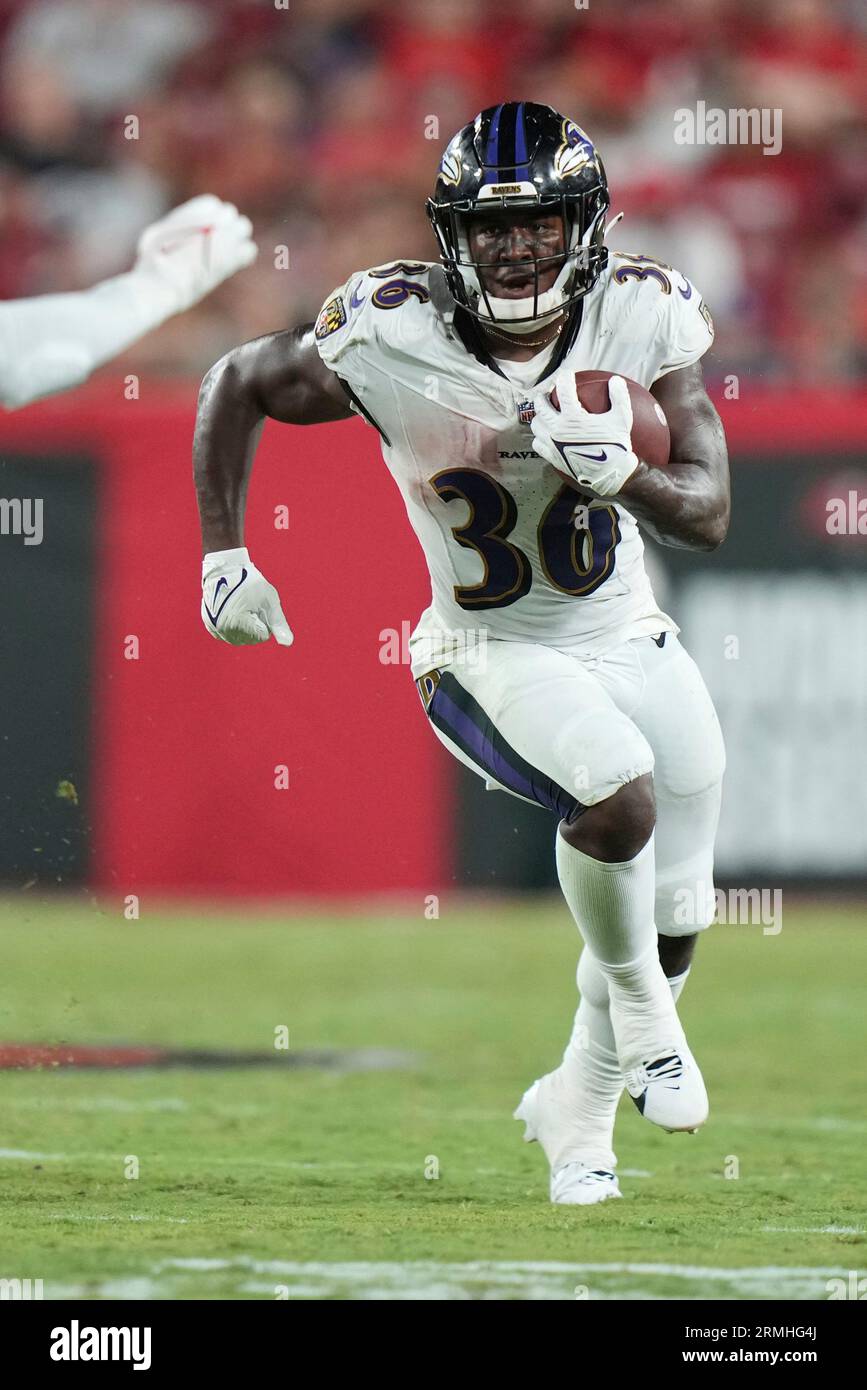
(522, 172)
(506, 125)
(492, 153)
(506, 159)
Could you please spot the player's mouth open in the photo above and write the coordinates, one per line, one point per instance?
(515, 283)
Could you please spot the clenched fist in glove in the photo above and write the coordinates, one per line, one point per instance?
(595, 449)
(193, 249)
(238, 604)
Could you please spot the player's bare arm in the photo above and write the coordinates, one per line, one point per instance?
(280, 377)
(687, 504)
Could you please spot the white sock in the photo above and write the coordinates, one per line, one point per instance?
(613, 908)
(639, 991)
(612, 903)
(592, 1022)
(591, 1073)
(677, 982)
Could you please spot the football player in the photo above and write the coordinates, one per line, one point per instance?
(543, 662)
(54, 341)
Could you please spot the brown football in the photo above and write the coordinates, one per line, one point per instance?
(650, 437)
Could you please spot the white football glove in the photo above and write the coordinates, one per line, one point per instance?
(595, 450)
(238, 604)
(194, 249)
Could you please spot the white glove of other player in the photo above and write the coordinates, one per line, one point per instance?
(595, 449)
(238, 604)
(194, 249)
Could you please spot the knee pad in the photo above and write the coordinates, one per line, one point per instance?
(685, 901)
(682, 726)
(696, 765)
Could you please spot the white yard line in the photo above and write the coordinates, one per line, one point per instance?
(27, 1155)
(824, 1124)
(816, 1230)
(216, 1160)
(79, 1216)
(486, 1280)
(111, 1104)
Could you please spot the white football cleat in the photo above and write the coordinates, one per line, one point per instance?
(579, 1186)
(574, 1181)
(659, 1071)
(668, 1089)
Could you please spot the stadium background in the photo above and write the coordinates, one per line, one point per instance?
(324, 123)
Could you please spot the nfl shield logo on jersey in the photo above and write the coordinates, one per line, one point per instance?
(526, 411)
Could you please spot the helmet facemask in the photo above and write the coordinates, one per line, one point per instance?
(584, 256)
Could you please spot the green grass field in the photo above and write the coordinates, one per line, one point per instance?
(257, 1182)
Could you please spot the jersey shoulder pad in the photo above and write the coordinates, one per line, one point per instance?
(650, 300)
(360, 311)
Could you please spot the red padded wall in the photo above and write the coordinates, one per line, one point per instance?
(186, 738)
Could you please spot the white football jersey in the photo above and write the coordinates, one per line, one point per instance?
(496, 522)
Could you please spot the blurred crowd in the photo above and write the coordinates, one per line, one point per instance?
(323, 120)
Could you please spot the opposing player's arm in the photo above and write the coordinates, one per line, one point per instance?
(54, 342)
(687, 504)
(282, 377)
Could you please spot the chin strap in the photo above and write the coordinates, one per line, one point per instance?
(521, 326)
(469, 332)
(566, 340)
